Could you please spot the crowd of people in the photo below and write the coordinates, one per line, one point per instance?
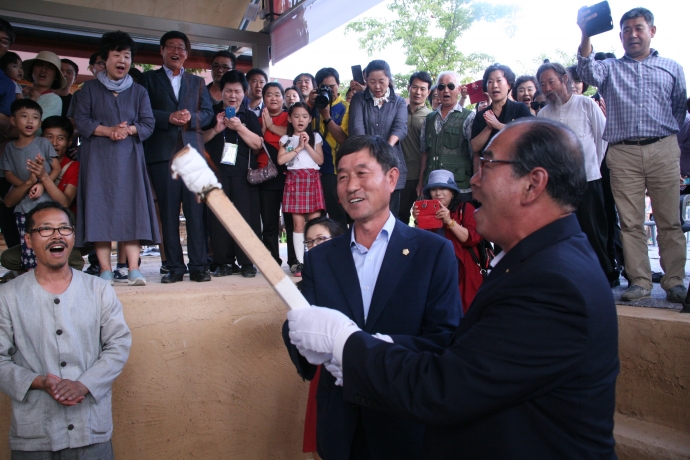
(370, 160)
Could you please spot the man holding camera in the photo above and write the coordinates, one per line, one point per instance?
(330, 119)
(643, 152)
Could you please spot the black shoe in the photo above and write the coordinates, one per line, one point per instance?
(164, 270)
(172, 277)
(656, 277)
(223, 270)
(213, 267)
(236, 269)
(94, 270)
(248, 271)
(200, 276)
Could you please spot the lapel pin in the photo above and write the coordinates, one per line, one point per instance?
(406, 252)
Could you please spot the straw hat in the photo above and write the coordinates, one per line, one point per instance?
(50, 57)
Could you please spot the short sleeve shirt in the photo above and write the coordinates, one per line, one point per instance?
(14, 160)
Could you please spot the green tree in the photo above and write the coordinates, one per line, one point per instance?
(428, 31)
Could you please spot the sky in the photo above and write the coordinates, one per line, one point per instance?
(542, 27)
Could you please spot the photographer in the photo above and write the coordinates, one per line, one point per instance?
(330, 118)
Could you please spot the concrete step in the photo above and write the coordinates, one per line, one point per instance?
(638, 440)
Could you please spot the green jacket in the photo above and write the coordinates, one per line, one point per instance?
(449, 149)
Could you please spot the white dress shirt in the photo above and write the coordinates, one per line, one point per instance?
(585, 118)
(175, 81)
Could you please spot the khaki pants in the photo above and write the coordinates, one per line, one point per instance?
(656, 168)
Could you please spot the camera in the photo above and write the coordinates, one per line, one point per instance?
(323, 97)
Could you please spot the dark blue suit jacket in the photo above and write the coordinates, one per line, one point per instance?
(193, 96)
(415, 294)
(531, 372)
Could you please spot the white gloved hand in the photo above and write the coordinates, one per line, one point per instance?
(316, 328)
(335, 370)
(314, 357)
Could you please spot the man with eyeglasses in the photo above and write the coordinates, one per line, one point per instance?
(7, 86)
(443, 140)
(63, 342)
(221, 63)
(531, 370)
(181, 106)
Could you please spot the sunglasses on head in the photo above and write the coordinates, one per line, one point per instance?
(451, 86)
(538, 105)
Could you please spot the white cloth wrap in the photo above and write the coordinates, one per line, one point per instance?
(194, 171)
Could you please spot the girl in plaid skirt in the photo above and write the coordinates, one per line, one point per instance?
(301, 150)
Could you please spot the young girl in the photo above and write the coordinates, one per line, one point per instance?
(11, 64)
(301, 150)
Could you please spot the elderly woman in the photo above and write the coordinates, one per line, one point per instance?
(459, 227)
(114, 199)
(231, 142)
(378, 111)
(498, 81)
(524, 90)
(45, 74)
(433, 98)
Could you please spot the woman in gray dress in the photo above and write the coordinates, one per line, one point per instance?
(114, 200)
(378, 111)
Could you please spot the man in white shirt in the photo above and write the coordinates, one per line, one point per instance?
(584, 117)
(63, 342)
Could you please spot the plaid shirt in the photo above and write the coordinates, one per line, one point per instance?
(643, 98)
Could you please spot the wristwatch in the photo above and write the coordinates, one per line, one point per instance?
(327, 121)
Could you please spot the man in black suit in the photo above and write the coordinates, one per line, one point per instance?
(531, 370)
(181, 106)
(389, 279)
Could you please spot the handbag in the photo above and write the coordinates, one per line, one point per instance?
(260, 175)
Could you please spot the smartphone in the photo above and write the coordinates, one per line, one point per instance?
(603, 22)
(686, 181)
(426, 219)
(357, 74)
(229, 112)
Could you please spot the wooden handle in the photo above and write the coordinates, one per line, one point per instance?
(241, 232)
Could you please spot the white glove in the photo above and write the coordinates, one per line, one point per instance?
(335, 370)
(314, 357)
(316, 328)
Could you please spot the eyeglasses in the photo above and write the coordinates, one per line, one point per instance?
(5, 42)
(65, 230)
(538, 105)
(451, 86)
(179, 49)
(216, 66)
(308, 244)
(483, 161)
(99, 64)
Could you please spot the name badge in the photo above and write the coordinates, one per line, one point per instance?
(229, 154)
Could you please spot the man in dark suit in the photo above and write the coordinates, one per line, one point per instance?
(181, 106)
(387, 278)
(531, 371)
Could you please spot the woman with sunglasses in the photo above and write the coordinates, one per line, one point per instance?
(498, 81)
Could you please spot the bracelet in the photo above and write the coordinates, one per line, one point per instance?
(451, 225)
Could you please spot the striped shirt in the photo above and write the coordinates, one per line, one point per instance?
(644, 98)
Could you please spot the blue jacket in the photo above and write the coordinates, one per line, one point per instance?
(531, 372)
(416, 294)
